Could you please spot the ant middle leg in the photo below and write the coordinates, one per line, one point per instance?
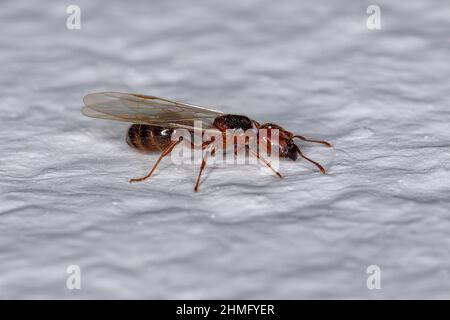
(203, 165)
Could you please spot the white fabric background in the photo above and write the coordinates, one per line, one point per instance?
(381, 97)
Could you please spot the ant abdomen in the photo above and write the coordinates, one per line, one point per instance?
(149, 138)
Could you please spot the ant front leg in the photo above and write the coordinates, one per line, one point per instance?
(267, 163)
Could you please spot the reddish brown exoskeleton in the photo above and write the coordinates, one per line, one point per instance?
(155, 120)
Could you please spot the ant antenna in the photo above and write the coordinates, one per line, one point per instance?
(312, 161)
(315, 141)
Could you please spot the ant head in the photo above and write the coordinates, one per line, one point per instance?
(288, 149)
(286, 145)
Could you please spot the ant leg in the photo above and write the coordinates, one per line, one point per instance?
(256, 124)
(312, 161)
(267, 163)
(315, 141)
(204, 144)
(163, 154)
(213, 150)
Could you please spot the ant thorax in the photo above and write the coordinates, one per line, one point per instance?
(232, 121)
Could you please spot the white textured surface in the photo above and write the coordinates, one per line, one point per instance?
(381, 97)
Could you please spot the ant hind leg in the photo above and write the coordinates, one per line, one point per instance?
(167, 151)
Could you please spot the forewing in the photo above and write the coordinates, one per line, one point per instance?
(150, 110)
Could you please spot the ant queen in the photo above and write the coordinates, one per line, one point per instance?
(154, 121)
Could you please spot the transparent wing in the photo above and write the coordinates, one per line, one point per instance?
(137, 108)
